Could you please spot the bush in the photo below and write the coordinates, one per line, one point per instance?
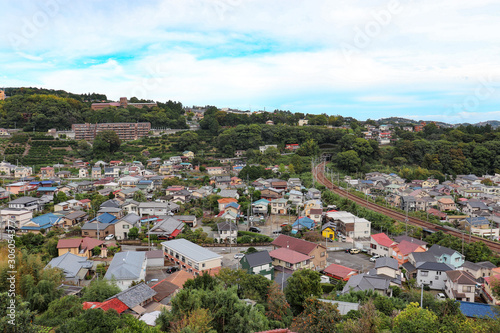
(327, 288)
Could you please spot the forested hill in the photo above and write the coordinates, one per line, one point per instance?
(42, 109)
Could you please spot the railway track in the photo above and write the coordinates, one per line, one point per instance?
(318, 172)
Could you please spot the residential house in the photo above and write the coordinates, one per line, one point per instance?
(83, 173)
(401, 251)
(41, 223)
(47, 172)
(74, 267)
(22, 172)
(128, 181)
(474, 208)
(223, 202)
(189, 220)
(167, 228)
(381, 244)
(313, 194)
(215, 171)
(227, 232)
(490, 282)
(328, 230)
(316, 215)
(317, 252)
(229, 194)
(182, 196)
(432, 274)
(191, 257)
(270, 194)
(97, 229)
(447, 255)
(15, 216)
(303, 223)
(26, 203)
(81, 246)
(74, 218)
(258, 263)
(123, 225)
(155, 258)
(480, 226)
(286, 259)
(339, 272)
(20, 187)
(480, 270)
(165, 291)
(260, 206)
(266, 147)
(460, 285)
(311, 204)
(279, 206)
(233, 207)
(157, 208)
(408, 203)
(96, 172)
(350, 225)
(446, 204)
(295, 197)
(401, 238)
(127, 267)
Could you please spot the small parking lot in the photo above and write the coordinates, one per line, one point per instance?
(360, 261)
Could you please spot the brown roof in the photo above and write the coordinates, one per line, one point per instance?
(179, 278)
(69, 243)
(316, 211)
(461, 277)
(164, 289)
(288, 255)
(340, 271)
(295, 244)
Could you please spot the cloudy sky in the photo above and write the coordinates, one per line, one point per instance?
(422, 59)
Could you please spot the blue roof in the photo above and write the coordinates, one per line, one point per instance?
(233, 204)
(47, 182)
(105, 218)
(145, 181)
(304, 222)
(261, 202)
(47, 189)
(470, 309)
(44, 221)
(35, 183)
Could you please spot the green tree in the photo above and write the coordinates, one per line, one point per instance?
(139, 196)
(415, 319)
(99, 290)
(317, 316)
(60, 310)
(92, 320)
(60, 197)
(133, 233)
(302, 284)
(348, 161)
(105, 143)
(277, 308)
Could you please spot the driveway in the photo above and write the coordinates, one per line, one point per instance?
(360, 261)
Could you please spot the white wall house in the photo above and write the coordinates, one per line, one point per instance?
(432, 274)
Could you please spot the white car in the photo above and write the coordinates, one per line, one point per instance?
(238, 256)
(374, 258)
(109, 237)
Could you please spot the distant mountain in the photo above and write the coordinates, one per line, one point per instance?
(396, 120)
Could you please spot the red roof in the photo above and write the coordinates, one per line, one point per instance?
(406, 247)
(69, 243)
(175, 233)
(383, 239)
(115, 304)
(227, 200)
(85, 200)
(295, 244)
(288, 255)
(338, 271)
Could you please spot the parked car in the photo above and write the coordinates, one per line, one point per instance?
(255, 229)
(354, 251)
(374, 258)
(276, 232)
(172, 269)
(238, 256)
(109, 237)
(441, 296)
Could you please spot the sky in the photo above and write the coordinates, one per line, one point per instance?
(423, 60)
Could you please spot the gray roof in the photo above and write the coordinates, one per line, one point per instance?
(486, 264)
(70, 263)
(23, 200)
(228, 193)
(399, 239)
(167, 226)
(126, 265)
(110, 203)
(154, 254)
(227, 226)
(439, 250)
(343, 307)
(366, 282)
(258, 258)
(435, 266)
(185, 217)
(135, 295)
(76, 214)
(408, 266)
(477, 204)
(386, 262)
(95, 225)
(471, 265)
(191, 250)
(423, 257)
(110, 210)
(131, 218)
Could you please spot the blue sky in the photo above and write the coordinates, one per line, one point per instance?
(421, 59)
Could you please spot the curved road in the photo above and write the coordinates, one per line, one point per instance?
(318, 172)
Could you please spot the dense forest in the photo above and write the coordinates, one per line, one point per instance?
(39, 110)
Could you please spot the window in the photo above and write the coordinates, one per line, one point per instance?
(457, 259)
(436, 277)
(287, 264)
(424, 273)
(125, 226)
(203, 265)
(323, 254)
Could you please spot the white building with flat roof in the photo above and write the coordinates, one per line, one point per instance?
(191, 257)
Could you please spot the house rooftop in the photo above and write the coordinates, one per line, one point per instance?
(191, 250)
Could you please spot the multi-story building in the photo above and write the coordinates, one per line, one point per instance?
(125, 131)
(191, 257)
(122, 104)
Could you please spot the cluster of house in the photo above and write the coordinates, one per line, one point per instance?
(438, 268)
(383, 133)
(477, 209)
